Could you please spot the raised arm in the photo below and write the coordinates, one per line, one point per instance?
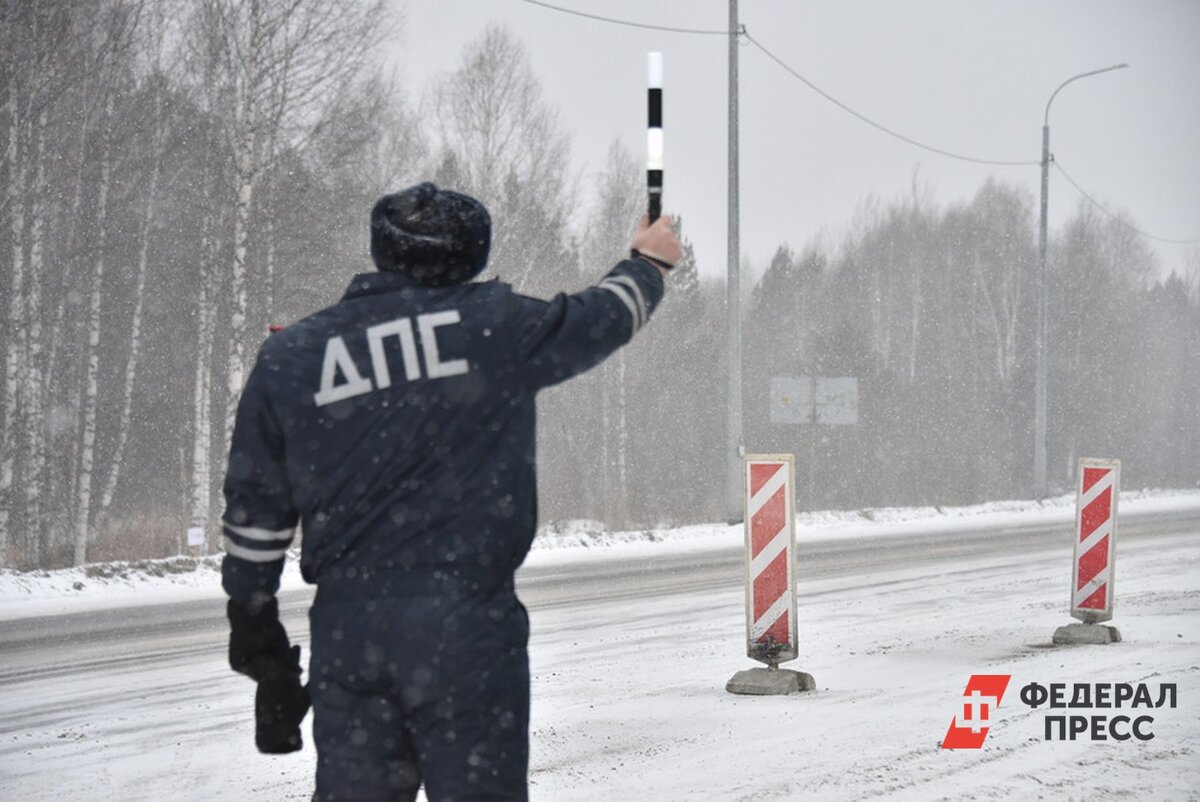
(569, 334)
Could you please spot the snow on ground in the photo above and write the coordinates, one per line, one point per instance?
(107, 585)
(629, 700)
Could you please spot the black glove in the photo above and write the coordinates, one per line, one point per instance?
(258, 643)
(259, 648)
(279, 707)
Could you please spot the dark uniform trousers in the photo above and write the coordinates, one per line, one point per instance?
(429, 684)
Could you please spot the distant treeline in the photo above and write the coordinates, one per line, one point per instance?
(934, 311)
(180, 173)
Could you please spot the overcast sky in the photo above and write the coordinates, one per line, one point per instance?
(968, 77)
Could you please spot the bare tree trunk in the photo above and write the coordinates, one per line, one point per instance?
(87, 453)
(14, 361)
(269, 278)
(35, 452)
(139, 302)
(622, 445)
(875, 301)
(69, 487)
(915, 335)
(269, 219)
(62, 371)
(247, 157)
(236, 367)
(201, 481)
(72, 231)
(86, 88)
(606, 501)
(201, 412)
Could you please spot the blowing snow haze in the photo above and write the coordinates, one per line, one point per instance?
(185, 181)
(167, 199)
(972, 79)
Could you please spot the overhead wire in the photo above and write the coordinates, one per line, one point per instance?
(880, 126)
(628, 23)
(743, 32)
(1116, 217)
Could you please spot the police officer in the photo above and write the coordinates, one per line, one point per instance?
(397, 426)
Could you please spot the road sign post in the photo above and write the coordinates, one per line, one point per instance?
(770, 535)
(1095, 544)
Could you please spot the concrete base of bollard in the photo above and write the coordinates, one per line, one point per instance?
(1095, 634)
(770, 682)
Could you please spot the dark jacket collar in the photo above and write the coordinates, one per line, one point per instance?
(378, 282)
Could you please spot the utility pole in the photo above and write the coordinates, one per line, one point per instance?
(733, 303)
(1039, 385)
(1039, 390)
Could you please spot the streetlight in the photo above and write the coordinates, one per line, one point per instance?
(1039, 403)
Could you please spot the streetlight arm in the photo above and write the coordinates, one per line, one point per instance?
(1046, 119)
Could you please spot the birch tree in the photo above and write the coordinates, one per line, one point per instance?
(266, 67)
(121, 24)
(156, 154)
(91, 387)
(91, 67)
(35, 453)
(14, 170)
(508, 149)
(200, 496)
(39, 42)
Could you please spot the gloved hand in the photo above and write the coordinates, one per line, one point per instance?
(259, 648)
(280, 704)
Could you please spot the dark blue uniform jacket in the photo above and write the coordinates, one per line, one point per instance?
(397, 428)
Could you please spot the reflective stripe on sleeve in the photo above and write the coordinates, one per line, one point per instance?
(253, 555)
(259, 534)
(643, 307)
(619, 291)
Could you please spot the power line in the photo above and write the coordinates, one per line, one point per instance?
(794, 73)
(627, 23)
(1116, 217)
(879, 126)
(859, 116)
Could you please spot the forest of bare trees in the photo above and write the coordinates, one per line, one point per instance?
(180, 173)
(932, 310)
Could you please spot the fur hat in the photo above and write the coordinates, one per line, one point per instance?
(434, 236)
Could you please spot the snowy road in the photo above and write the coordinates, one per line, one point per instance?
(630, 657)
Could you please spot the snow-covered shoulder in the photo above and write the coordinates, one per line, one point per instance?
(25, 594)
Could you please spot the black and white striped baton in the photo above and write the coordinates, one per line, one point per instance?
(654, 135)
